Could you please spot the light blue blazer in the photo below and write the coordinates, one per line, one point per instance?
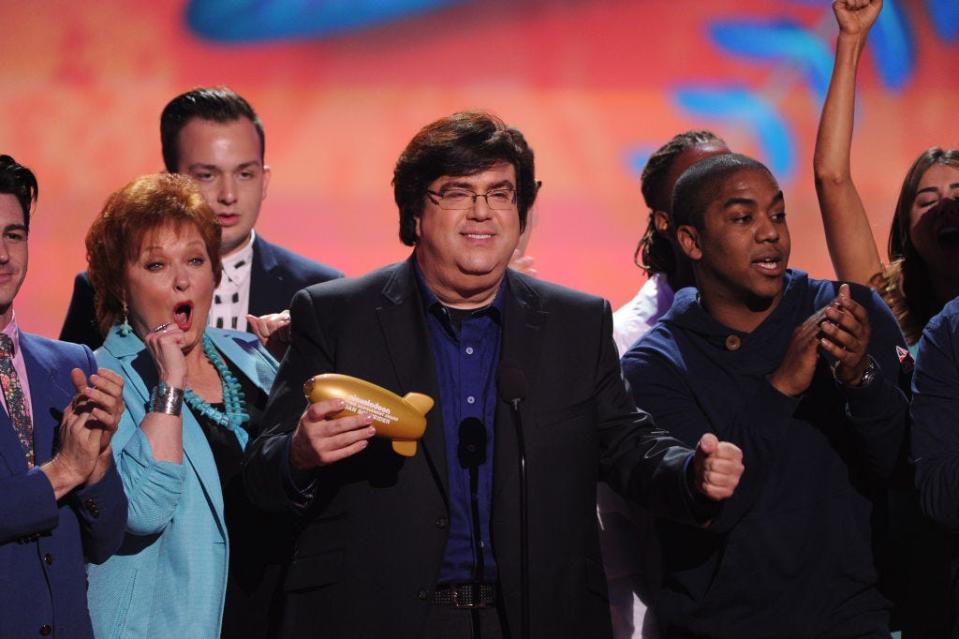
(169, 577)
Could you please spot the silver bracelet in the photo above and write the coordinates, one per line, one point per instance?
(166, 399)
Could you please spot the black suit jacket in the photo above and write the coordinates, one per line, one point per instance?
(374, 533)
(276, 275)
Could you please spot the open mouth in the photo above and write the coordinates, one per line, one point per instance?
(478, 236)
(771, 264)
(948, 237)
(183, 315)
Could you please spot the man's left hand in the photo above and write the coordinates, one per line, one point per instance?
(717, 467)
(102, 396)
(273, 330)
(846, 333)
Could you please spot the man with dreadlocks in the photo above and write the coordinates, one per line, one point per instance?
(627, 535)
(666, 266)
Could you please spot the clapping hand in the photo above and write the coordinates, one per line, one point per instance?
(846, 332)
(102, 397)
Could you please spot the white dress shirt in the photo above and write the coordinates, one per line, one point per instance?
(231, 299)
(631, 554)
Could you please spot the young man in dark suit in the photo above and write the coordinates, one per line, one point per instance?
(214, 136)
(429, 546)
(61, 501)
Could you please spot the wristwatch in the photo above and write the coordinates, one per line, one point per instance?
(869, 375)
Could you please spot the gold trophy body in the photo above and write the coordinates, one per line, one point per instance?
(400, 419)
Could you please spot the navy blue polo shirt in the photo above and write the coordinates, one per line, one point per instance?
(466, 348)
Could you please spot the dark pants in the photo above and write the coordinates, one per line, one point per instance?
(447, 622)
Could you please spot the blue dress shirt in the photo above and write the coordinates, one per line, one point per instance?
(466, 348)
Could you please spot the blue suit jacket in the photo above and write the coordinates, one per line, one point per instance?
(44, 544)
(276, 275)
(169, 577)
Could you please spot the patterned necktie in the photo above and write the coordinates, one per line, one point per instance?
(13, 394)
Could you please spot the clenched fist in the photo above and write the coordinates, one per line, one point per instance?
(717, 467)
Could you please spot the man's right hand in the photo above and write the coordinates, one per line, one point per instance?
(795, 374)
(717, 467)
(856, 16)
(321, 438)
(523, 263)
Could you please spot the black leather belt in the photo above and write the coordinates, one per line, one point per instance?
(481, 595)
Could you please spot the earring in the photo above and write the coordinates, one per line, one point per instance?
(125, 328)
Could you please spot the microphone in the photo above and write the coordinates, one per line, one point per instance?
(511, 383)
(472, 447)
(512, 388)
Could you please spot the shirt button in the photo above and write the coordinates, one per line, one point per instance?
(469, 350)
(470, 400)
(441, 522)
(45, 630)
(733, 343)
(421, 594)
(48, 558)
(91, 506)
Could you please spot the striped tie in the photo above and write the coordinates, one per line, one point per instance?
(13, 394)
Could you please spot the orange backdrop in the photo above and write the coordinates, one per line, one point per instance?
(594, 84)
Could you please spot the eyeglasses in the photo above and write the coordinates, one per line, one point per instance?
(461, 199)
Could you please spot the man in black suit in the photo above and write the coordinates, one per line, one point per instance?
(428, 546)
(214, 136)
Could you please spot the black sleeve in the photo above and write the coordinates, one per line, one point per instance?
(267, 472)
(639, 460)
(935, 417)
(879, 412)
(80, 324)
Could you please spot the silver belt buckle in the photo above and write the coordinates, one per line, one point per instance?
(467, 604)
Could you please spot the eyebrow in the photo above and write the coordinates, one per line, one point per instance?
(454, 184)
(749, 201)
(214, 167)
(157, 247)
(15, 227)
(935, 189)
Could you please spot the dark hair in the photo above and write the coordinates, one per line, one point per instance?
(216, 104)
(918, 295)
(461, 144)
(700, 184)
(656, 250)
(20, 182)
(146, 204)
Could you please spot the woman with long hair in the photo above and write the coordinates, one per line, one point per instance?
(923, 250)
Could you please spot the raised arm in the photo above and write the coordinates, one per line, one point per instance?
(148, 446)
(852, 247)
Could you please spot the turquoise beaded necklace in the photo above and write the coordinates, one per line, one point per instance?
(234, 414)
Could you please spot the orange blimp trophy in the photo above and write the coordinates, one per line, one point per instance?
(400, 419)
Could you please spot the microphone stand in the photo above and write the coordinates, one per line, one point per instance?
(472, 454)
(478, 567)
(523, 518)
